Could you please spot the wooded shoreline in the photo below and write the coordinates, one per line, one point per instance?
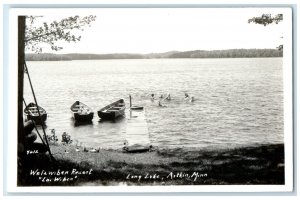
(231, 53)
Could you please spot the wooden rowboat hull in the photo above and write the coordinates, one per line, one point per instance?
(112, 111)
(37, 119)
(81, 116)
(111, 115)
(136, 108)
(32, 113)
(137, 148)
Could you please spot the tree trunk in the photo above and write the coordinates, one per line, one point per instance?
(21, 59)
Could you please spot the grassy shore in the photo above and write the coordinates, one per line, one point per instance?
(249, 165)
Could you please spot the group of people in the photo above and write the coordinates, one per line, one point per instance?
(168, 97)
(187, 97)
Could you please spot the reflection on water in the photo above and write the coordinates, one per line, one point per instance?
(77, 123)
(237, 101)
(119, 119)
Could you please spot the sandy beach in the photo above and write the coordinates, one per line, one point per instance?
(262, 164)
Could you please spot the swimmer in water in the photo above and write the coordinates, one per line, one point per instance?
(159, 103)
(192, 99)
(168, 97)
(186, 96)
(152, 97)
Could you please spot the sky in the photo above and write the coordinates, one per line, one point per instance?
(156, 30)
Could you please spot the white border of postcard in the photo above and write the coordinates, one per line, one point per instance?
(11, 153)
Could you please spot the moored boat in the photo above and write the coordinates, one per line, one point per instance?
(81, 112)
(31, 112)
(136, 108)
(137, 148)
(113, 110)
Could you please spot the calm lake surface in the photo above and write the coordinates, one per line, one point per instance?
(238, 102)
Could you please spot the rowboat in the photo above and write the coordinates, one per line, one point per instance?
(136, 108)
(113, 110)
(137, 148)
(31, 112)
(81, 112)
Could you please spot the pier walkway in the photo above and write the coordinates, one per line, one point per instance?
(137, 134)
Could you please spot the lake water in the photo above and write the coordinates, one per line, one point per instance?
(238, 102)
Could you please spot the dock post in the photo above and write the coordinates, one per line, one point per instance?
(130, 101)
(130, 106)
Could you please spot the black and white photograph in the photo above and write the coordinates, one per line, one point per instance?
(119, 97)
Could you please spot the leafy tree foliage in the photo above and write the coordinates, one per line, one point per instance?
(53, 32)
(280, 47)
(266, 19)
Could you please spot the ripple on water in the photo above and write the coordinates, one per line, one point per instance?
(237, 101)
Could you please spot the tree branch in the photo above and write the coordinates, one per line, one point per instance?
(49, 33)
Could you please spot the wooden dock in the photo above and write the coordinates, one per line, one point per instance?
(137, 135)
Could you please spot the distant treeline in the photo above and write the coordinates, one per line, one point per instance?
(231, 53)
(46, 57)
